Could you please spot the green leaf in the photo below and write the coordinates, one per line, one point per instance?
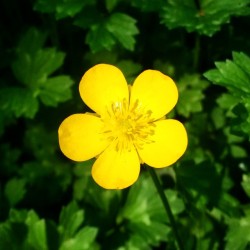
(99, 38)
(42, 143)
(17, 216)
(12, 236)
(245, 183)
(37, 235)
(32, 41)
(145, 211)
(5, 238)
(31, 69)
(90, 16)
(135, 242)
(36, 238)
(24, 230)
(123, 28)
(243, 61)
(104, 33)
(15, 190)
(238, 151)
(61, 8)
(227, 101)
(106, 202)
(191, 89)
(177, 205)
(71, 217)
(55, 90)
(205, 19)
(69, 8)
(18, 101)
(83, 240)
(238, 237)
(111, 4)
(240, 125)
(232, 75)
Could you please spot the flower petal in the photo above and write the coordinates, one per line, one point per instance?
(103, 85)
(116, 169)
(80, 138)
(154, 91)
(169, 144)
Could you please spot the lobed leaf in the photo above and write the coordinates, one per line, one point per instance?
(206, 17)
(55, 90)
(191, 88)
(18, 101)
(234, 75)
(123, 28)
(98, 38)
(36, 238)
(146, 214)
(105, 32)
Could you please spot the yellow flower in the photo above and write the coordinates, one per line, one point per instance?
(127, 128)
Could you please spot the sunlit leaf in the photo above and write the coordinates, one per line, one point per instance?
(145, 211)
(83, 240)
(234, 75)
(71, 217)
(246, 184)
(238, 236)
(37, 235)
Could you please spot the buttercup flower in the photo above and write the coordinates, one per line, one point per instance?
(127, 128)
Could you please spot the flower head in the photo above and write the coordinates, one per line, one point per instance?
(127, 128)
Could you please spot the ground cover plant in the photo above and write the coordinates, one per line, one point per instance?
(49, 202)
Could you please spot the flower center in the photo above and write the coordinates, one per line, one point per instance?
(128, 126)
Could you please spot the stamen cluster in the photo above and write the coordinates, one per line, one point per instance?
(128, 126)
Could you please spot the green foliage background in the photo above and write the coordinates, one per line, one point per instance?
(48, 202)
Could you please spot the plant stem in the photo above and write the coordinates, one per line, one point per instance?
(166, 206)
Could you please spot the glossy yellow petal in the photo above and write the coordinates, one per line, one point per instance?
(155, 92)
(115, 169)
(80, 138)
(103, 85)
(169, 143)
